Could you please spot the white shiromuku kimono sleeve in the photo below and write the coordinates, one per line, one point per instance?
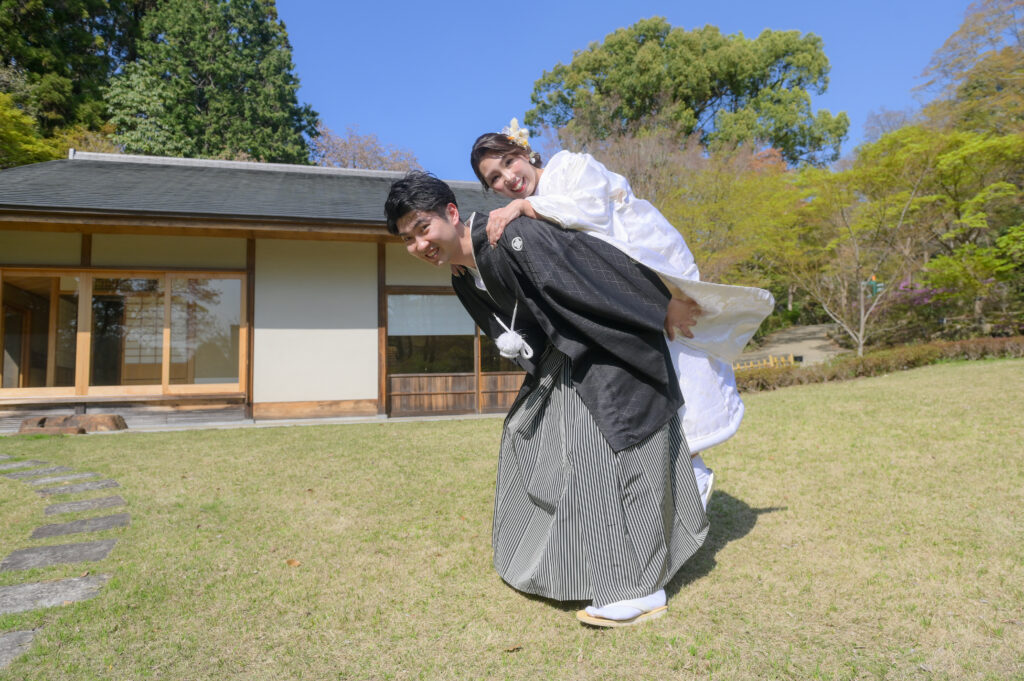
(578, 192)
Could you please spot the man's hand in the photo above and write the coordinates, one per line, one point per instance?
(681, 316)
(500, 217)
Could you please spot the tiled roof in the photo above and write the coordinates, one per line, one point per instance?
(110, 183)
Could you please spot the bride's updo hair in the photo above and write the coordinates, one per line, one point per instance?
(497, 144)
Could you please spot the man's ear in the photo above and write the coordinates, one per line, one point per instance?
(452, 211)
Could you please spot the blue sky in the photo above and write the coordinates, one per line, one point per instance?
(431, 76)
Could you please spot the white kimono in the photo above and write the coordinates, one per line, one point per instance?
(578, 192)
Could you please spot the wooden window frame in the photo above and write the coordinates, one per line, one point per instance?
(478, 374)
(82, 391)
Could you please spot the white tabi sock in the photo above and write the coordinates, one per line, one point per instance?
(627, 610)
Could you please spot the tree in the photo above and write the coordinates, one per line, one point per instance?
(724, 88)
(856, 237)
(121, 30)
(973, 205)
(216, 81)
(724, 203)
(884, 121)
(56, 46)
(979, 71)
(356, 150)
(19, 141)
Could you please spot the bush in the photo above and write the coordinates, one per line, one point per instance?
(879, 362)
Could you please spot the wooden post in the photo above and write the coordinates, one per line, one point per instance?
(165, 354)
(2, 337)
(382, 329)
(244, 331)
(83, 336)
(86, 254)
(51, 334)
(250, 317)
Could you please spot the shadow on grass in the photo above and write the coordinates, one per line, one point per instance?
(730, 519)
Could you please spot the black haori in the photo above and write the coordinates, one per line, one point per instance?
(573, 520)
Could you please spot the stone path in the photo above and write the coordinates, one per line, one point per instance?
(45, 556)
(13, 645)
(55, 481)
(810, 342)
(80, 487)
(19, 464)
(38, 472)
(107, 522)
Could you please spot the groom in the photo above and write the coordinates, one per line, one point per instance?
(596, 498)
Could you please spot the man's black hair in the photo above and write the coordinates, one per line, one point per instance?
(418, 190)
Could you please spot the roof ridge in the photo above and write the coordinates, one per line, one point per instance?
(76, 155)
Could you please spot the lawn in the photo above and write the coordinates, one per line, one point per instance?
(867, 529)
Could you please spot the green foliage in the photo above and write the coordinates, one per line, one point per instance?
(879, 362)
(727, 89)
(57, 46)
(919, 204)
(979, 71)
(19, 142)
(850, 230)
(724, 203)
(972, 197)
(216, 82)
(1011, 244)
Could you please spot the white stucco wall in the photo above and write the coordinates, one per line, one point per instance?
(401, 269)
(315, 321)
(137, 250)
(39, 248)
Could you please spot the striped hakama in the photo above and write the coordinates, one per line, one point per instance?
(573, 520)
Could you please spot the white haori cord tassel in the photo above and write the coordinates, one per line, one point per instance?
(510, 344)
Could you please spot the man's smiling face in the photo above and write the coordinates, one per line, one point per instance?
(436, 239)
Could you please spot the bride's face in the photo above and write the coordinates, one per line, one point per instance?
(510, 175)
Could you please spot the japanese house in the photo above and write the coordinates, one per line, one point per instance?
(182, 291)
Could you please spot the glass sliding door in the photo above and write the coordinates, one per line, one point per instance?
(92, 333)
(39, 330)
(127, 331)
(206, 318)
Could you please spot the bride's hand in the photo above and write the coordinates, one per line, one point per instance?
(681, 315)
(499, 219)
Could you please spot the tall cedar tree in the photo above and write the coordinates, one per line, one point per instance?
(56, 56)
(724, 88)
(55, 46)
(216, 81)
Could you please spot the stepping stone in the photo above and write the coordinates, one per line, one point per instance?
(74, 424)
(87, 505)
(44, 556)
(80, 487)
(22, 597)
(20, 464)
(62, 478)
(39, 471)
(13, 645)
(106, 522)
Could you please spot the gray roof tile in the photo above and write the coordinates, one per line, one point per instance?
(210, 189)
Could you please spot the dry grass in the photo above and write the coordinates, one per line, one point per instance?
(866, 529)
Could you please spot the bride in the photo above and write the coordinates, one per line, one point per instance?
(707, 324)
